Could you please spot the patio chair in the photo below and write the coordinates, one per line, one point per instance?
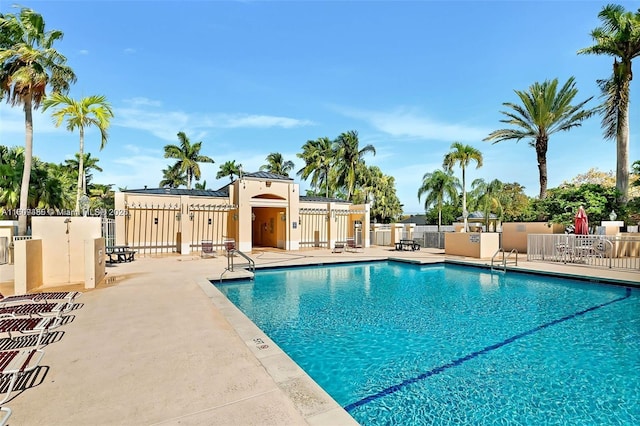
(16, 363)
(207, 249)
(352, 246)
(40, 326)
(338, 247)
(67, 296)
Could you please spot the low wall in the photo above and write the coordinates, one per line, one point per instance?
(28, 266)
(94, 262)
(471, 244)
(514, 234)
(63, 246)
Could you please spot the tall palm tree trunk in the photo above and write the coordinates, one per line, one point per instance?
(541, 152)
(622, 157)
(26, 173)
(81, 189)
(465, 213)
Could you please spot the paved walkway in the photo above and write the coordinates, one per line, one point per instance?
(156, 343)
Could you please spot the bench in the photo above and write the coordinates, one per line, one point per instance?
(407, 245)
(119, 254)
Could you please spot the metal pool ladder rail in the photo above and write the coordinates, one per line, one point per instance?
(505, 259)
(231, 263)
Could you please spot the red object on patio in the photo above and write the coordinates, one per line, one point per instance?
(581, 222)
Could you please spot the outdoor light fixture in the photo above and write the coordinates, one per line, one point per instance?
(190, 215)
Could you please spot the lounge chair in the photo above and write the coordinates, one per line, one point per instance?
(15, 364)
(67, 296)
(207, 249)
(26, 325)
(5, 416)
(338, 247)
(35, 309)
(352, 246)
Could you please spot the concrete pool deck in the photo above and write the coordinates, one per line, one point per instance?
(156, 343)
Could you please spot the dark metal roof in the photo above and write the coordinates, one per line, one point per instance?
(418, 219)
(224, 192)
(266, 175)
(314, 199)
(477, 215)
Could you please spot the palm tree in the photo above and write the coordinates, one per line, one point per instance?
(619, 36)
(88, 163)
(438, 186)
(28, 63)
(489, 197)
(11, 161)
(172, 177)
(348, 157)
(202, 186)
(89, 111)
(463, 155)
(277, 165)
(368, 178)
(188, 157)
(229, 168)
(386, 204)
(319, 157)
(544, 111)
(102, 197)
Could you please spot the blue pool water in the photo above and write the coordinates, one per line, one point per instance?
(406, 344)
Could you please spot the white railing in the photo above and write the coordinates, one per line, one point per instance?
(605, 251)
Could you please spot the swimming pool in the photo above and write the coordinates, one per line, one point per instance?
(405, 344)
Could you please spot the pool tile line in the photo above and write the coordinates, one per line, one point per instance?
(395, 388)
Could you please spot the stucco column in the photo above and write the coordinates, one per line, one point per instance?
(121, 222)
(293, 233)
(185, 225)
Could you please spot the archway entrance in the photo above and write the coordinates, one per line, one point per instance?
(268, 227)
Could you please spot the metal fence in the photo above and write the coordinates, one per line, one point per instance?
(381, 235)
(109, 231)
(603, 251)
(153, 228)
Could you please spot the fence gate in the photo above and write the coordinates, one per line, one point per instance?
(314, 228)
(153, 228)
(208, 223)
(109, 231)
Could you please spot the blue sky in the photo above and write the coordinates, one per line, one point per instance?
(252, 77)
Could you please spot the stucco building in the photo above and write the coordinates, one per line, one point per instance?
(256, 210)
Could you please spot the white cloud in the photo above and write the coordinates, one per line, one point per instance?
(12, 122)
(160, 124)
(409, 123)
(260, 121)
(145, 114)
(142, 101)
(83, 52)
(129, 50)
